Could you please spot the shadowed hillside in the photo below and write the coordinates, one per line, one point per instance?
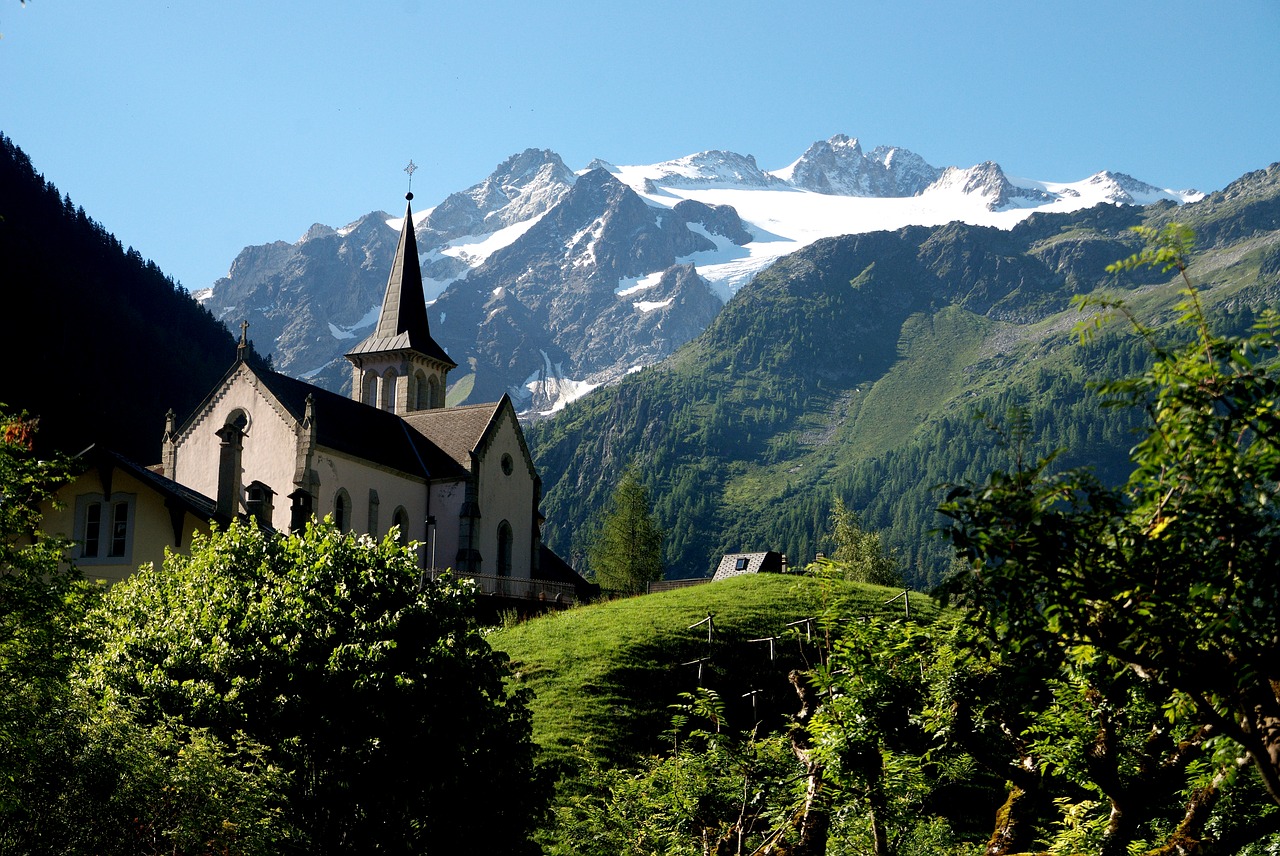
(98, 342)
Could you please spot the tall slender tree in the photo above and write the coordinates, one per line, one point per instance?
(627, 554)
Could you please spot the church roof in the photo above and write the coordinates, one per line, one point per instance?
(402, 324)
(455, 430)
(362, 431)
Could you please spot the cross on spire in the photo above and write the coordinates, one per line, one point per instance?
(411, 169)
(243, 345)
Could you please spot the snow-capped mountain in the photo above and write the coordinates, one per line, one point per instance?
(544, 283)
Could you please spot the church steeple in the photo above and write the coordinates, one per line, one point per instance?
(400, 367)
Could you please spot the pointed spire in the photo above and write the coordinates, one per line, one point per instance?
(404, 310)
(402, 324)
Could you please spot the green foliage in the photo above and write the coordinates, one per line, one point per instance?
(1166, 249)
(42, 603)
(718, 795)
(80, 779)
(165, 789)
(370, 689)
(627, 553)
(1170, 575)
(860, 555)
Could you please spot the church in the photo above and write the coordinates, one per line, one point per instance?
(458, 480)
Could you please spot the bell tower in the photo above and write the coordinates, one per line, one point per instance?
(400, 368)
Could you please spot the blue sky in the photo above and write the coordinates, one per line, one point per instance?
(192, 129)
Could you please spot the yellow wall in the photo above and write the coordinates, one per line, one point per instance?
(151, 527)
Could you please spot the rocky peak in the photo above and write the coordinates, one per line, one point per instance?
(1125, 189)
(523, 186)
(838, 166)
(318, 230)
(909, 174)
(988, 181)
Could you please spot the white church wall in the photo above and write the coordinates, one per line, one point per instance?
(446, 508)
(395, 490)
(268, 454)
(506, 496)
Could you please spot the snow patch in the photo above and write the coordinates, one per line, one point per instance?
(367, 320)
(433, 288)
(629, 285)
(549, 385)
(474, 249)
(650, 305)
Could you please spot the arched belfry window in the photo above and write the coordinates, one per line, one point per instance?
(388, 397)
(434, 397)
(369, 389)
(505, 544)
(421, 391)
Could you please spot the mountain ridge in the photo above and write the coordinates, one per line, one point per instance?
(737, 216)
(853, 369)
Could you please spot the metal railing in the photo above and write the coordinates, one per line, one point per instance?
(521, 588)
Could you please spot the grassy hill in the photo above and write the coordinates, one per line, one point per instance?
(604, 675)
(856, 369)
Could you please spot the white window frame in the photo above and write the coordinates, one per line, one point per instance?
(109, 510)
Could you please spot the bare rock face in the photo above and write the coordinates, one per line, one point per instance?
(838, 166)
(549, 308)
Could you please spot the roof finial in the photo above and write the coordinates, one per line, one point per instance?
(411, 169)
(243, 344)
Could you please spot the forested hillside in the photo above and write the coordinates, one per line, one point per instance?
(860, 369)
(98, 342)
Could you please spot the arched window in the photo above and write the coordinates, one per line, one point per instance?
(388, 401)
(505, 543)
(342, 510)
(401, 520)
(434, 398)
(369, 389)
(421, 391)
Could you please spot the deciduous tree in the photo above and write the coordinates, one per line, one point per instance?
(1173, 574)
(861, 554)
(370, 687)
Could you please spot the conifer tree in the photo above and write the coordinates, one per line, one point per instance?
(627, 554)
